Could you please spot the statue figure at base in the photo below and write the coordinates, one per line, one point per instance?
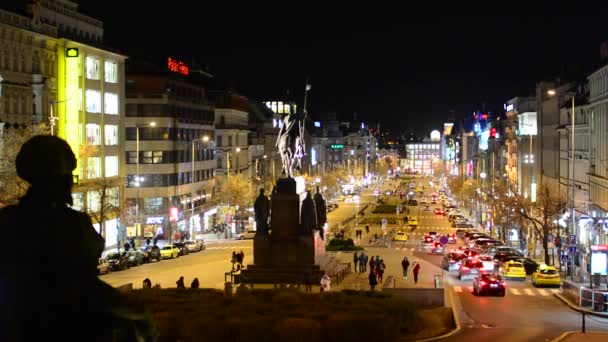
(308, 216)
(261, 207)
(321, 212)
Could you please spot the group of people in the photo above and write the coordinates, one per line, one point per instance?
(147, 283)
(405, 264)
(237, 260)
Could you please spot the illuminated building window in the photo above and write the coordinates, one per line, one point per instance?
(92, 65)
(93, 167)
(94, 201)
(78, 201)
(93, 101)
(93, 134)
(111, 166)
(111, 72)
(112, 196)
(111, 135)
(152, 157)
(110, 103)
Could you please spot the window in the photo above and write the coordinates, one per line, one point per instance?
(219, 140)
(229, 140)
(132, 157)
(111, 72)
(94, 201)
(78, 201)
(93, 134)
(93, 100)
(111, 166)
(152, 157)
(110, 103)
(92, 65)
(93, 167)
(111, 135)
(153, 204)
(112, 196)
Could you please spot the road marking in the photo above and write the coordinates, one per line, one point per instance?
(457, 289)
(556, 290)
(543, 292)
(529, 292)
(515, 292)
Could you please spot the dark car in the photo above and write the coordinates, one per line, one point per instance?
(150, 253)
(136, 258)
(118, 261)
(501, 258)
(470, 269)
(451, 261)
(529, 264)
(183, 249)
(489, 283)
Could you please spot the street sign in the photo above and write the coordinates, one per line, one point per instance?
(572, 249)
(443, 240)
(572, 239)
(384, 224)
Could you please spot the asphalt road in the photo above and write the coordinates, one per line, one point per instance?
(526, 313)
(210, 265)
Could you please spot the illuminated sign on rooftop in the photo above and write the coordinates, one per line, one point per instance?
(177, 66)
(336, 146)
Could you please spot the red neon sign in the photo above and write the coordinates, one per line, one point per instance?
(599, 247)
(173, 214)
(493, 133)
(177, 66)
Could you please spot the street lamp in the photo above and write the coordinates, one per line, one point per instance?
(204, 139)
(138, 179)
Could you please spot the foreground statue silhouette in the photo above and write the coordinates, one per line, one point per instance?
(51, 288)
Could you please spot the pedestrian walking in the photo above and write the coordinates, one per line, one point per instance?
(180, 283)
(365, 263)
(362, 263)
(355, 260)
(405, 264)
(381, 268)
(367, 229)
(372, 264)
(415, 270)
(241, 257)
(195, 284)
(325, 283)
(372, 280)
(377, 261)
(308, 281)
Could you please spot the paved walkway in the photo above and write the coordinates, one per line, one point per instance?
(579, 336)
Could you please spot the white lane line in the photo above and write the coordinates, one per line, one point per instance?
(515, 292)
(529, 292)
(556, 290)
(543, 292)
(457, 289)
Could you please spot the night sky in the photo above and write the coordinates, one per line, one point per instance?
(403, 65)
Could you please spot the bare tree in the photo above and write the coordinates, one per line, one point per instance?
(540, 215)
(106, 202)
(11, 186)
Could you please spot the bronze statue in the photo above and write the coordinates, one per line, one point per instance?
(261, 207)
(321, 212)
(290, 142)
(308, 215)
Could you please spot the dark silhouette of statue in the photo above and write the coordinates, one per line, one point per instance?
(321, 212)
(308, 214)
(290, 142)
(261, 208)
(36, 297)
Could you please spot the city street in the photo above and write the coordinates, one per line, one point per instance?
(210, 265)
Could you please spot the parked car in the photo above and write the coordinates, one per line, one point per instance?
(136, 257)
(118, 261)
(150, 253)
(183, 250)
(195, 246)
(250, 234)
(169, 251)
(489, 283)
(546, 275)
(102, 266)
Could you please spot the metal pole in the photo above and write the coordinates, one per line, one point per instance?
(137, 181)
(583, 312)
(572, 168)
(192, 193)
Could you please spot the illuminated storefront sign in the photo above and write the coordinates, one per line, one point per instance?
(336, 146)
(177, 66)
(71, 52)
(173, 214)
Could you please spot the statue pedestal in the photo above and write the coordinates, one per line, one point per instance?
(287, 255)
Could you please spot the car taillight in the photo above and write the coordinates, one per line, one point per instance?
(503, 283)
(452, 261)
(465, 268)
(482, 283)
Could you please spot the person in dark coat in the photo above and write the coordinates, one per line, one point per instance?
(180, 283)
(195, 284)
(405, 264)
(147, 283)
(415, 270)
(355, 260)
(372, 280)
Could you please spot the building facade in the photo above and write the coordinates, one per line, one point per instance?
(425, 156)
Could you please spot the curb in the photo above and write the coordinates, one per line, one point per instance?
(568, 333)
(579, 309)
(456, 321)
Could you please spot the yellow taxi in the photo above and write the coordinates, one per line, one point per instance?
(546, 275)
(400, 236)
(169, 251)
(412, 221)
(514, 270)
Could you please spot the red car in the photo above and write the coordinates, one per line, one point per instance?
(439, 211)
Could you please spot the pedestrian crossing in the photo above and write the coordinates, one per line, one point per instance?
(516, 291)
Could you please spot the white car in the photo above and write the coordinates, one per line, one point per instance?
(195, 246)
(250, 234)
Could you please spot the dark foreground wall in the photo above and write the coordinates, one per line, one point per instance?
(420, 297)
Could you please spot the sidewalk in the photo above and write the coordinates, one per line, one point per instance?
(392, 260)
(579, 336)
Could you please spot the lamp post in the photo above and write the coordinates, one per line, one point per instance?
(138, 179)
(204, 139)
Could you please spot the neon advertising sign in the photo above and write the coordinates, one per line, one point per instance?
(177, 66)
